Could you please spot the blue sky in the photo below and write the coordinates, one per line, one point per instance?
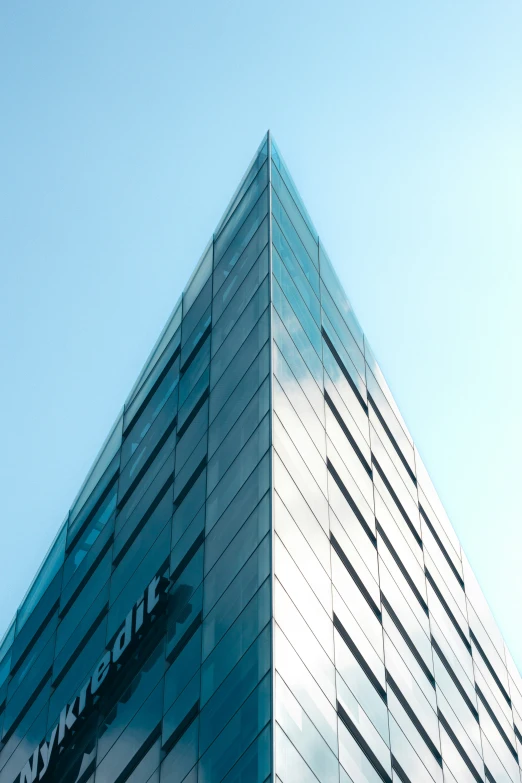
(126, 127)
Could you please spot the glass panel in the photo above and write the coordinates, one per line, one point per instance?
(143, 424)
(349, 343)
(103, 460)
(236, 641)
(239, 301)
(300, 437)
(154, 560)
(238, 472)
(254, 765)
(237, 553)
(148, 446)
(194, 371)
(292, 459)
(294, 391)
(239, 367)
(304, 735)
(242, 328)
(241, 681)
(305, 254)
(237, 436)
(257, 161)
(237, 735)
(183, 669)
(198, 279)
(358, 766)
(289, 182)
(302, 553)
(223, 240)
(131, 740)
(303, 597)
(297, 333)
(240, 241)
(193, 340)
(302, 514)
(295, 361)
(237, 595)
(360, 693)
(196, 313)
(305, 689)
(182, 711)
(193, 401)
(182, 757)
(299, 307)
(245, 501)
(307, 275)
(46, 574)
(239, 398)
(156, 499)
(92, 534)
(185, 604)
(336, 290)
(301, 638)
(192, 436)
(190, 506)
(289, 764)
(156, 358)
(240, 270)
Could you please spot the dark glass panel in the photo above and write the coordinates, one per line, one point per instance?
(182, 758)
(239, 301)
(240, 270)
(157, 434)
(129, 702)
(237, 473)
(237, 735)
(238, 218)
(143, 424)
(241, 681)
(236, 641)
(195, 313)
(242, 328)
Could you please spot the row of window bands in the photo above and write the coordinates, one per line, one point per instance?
(98, 755)
(192, 367)
(65, 653)
(382, 694)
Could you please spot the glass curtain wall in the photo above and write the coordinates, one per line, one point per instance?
(388, 663)
(180, 490)
(259, 524)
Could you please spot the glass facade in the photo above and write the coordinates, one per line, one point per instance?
(257, 580)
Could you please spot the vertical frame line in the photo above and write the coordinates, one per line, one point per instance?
(271, 444)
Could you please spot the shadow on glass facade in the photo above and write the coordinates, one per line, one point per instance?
(257, 581)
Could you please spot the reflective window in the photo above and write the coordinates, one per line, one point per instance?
(304, 735)
(92, 533)
(240, 270)
(237, 436)
(236, 596)
(237, 734)
(194, 371)
(244, 207)
(182, 757)
(140, 428)
(236, 641)
(237, 512)
(241, 681)
(238, 472)
(230, 257)
(239, 301)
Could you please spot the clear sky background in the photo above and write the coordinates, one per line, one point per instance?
(124, 129)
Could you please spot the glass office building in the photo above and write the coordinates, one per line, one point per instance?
(257, 580)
